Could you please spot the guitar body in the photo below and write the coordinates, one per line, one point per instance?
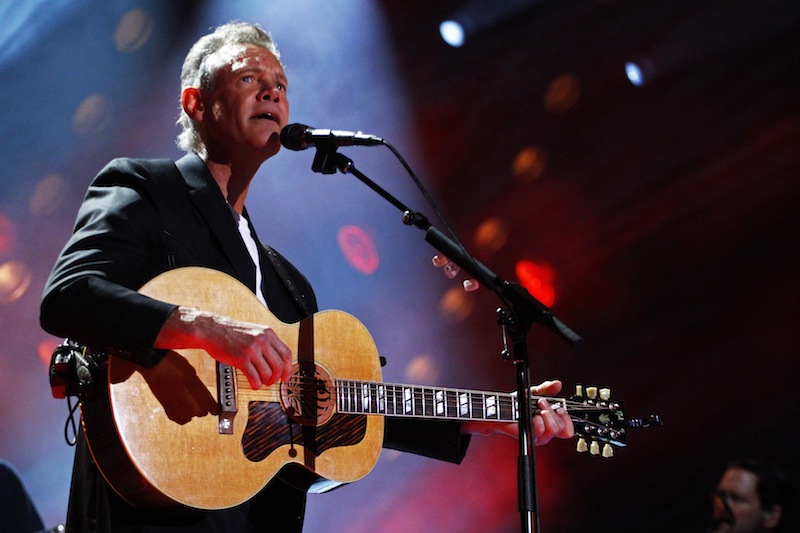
(191, 434)
(156, 435)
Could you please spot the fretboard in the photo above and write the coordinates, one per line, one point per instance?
(364, 397)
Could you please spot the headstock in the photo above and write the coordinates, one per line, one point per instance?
(600, 422)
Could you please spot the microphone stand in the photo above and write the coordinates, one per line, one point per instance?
(525, 311)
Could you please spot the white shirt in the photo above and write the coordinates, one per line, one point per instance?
(252, 249)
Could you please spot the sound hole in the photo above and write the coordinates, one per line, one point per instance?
(309, 396)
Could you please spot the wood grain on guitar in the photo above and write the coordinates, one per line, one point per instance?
(191, 433)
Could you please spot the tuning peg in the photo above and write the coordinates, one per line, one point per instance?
(579, 390)
(582, 447)
(608, 450)
(591, 392)
(594, 448)
(605, 394)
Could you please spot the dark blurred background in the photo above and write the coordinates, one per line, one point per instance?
(658, 219)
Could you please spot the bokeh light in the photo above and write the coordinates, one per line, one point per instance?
(490, 235)
(562, 93)
(529, 163)
(539, 278)
(133, 31)
(358, 249)
(455, 304)
(422, 369)
(15, 278)
(92, 116)
(48, 195)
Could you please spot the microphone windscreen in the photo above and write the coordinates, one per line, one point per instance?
(293, 136)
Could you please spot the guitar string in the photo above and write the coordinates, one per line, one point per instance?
(353, 389)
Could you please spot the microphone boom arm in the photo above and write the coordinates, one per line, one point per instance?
(525, 310)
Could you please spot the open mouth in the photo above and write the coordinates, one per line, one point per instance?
(267, 116)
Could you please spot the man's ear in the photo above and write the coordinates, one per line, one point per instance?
(192, 103)
(771, 517)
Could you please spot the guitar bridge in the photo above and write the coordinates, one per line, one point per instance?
(226, 397)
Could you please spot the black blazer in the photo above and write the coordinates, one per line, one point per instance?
(140, 218)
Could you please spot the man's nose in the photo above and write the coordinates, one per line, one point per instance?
(271, 93)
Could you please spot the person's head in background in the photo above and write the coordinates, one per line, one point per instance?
(752, 496)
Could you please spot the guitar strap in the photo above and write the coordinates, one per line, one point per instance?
(298, 297)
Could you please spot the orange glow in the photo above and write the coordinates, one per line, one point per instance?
(529, 163)
(563, 92)
(422, 369)
(358, 249)
(491, 235)
(539, 279)
(455, 305)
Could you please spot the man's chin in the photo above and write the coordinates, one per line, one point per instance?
(273, 145)
(267, 149)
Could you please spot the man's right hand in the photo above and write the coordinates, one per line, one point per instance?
(254, 349)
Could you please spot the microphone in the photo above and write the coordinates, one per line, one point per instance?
(300, 137)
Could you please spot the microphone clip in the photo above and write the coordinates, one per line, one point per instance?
(325, 159)
(328, 160)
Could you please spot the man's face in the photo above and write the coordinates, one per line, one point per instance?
(744, 514)
(246, 108)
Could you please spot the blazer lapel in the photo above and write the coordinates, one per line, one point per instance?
(208, 199)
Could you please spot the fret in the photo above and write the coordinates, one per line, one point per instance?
(464, 405)
(342, 393)
(490, 406)
(388, 399)
(419, 405)
(350, 405)
(365, 398)
(431, 399)
(476, 406)
(399, 404)
(440, 401)
(408, 401)
(451, 401)
(352, 398)
(355, 397)
(420, 395)
(393, 390)
(381, 399)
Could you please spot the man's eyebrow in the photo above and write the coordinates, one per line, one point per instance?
(240, 67)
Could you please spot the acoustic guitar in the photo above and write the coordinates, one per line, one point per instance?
(191, 433)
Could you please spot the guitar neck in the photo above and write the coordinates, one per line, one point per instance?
(369, 398)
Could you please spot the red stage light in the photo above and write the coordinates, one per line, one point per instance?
(539, 279)
(358, 249)
(6, 235)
